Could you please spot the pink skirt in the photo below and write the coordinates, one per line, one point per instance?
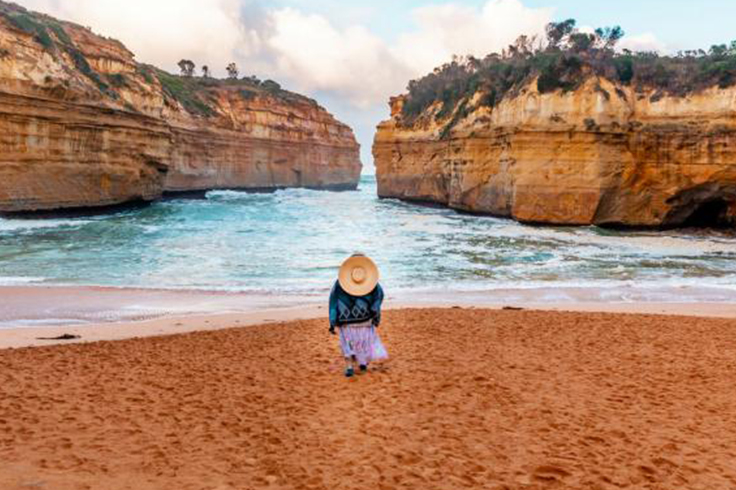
(361, 340)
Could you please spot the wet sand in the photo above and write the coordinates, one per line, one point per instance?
(39, 306)
(471, 398)
(103, 313)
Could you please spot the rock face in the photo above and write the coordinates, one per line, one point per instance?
(83, 125)
(263, 143)
(603, 154)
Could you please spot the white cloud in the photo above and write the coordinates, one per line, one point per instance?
(316, 55)
(304, 51)
(643, 42)
(162, 31)
(451, 29)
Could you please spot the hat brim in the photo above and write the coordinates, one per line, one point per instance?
(345, 276)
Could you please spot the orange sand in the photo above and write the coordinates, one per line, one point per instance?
(470, 399)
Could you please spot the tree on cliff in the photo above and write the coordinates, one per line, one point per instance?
(564, 61)
(558, 31)
(523, 47)
(187, 67)
(271, 86)
(609, 36)
(581, 42)
(205, 71)
(232, 71)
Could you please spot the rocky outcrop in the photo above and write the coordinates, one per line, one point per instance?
(602, 154)
(83, 125)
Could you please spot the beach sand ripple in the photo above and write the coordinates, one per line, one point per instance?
(470, 399)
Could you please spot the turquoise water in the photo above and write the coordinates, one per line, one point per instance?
(292, 241)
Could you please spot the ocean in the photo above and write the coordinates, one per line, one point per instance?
(291, 242)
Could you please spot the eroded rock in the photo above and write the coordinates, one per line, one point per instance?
(83, 125)
(602, 154)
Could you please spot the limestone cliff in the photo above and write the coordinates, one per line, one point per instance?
(82, 124)
(603, 154)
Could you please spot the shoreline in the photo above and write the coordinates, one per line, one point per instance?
(108, 314)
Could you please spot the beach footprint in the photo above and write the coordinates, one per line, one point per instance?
(550, 473)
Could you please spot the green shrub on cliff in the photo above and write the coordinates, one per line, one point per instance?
(563, 61)
(42, 28)
(60, 33)
(28, 24)
(248, 94)
(147, 72)
(81, 64)
(197, 94)
(117, 80)
(271, 87)
(187, 91)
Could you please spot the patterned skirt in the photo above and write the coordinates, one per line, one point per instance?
(361, 340)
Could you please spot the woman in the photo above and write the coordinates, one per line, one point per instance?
(355, 309)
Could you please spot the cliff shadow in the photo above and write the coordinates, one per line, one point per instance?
(202, 193)
(711, 214)
(77, 212)
(708, 206)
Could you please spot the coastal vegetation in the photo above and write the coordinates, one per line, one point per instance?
(50, 34)
(187, 67)
(232, 71)
(195, 94)
(563, 60)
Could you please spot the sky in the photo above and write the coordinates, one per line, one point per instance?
(353, 55)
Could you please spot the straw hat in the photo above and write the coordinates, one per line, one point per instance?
(358, 275)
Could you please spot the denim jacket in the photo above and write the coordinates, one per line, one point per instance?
(346, 309)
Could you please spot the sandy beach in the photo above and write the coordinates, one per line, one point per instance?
(32, 315)
(534, 203)
(471, 398)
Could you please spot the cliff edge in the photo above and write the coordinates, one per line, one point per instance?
(599, 145)
(82, 125)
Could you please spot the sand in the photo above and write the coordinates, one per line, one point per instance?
(470, 399)
(39, 306)
(29, 313)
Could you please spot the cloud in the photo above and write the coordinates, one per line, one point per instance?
(643, 42)
(451, 29)
(315, 55)
(305, 51)
(162, 31)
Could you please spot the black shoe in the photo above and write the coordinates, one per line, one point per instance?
(363, 368)
(349, 372)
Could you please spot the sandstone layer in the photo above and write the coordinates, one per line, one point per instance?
(82, 124)
(603, 154)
